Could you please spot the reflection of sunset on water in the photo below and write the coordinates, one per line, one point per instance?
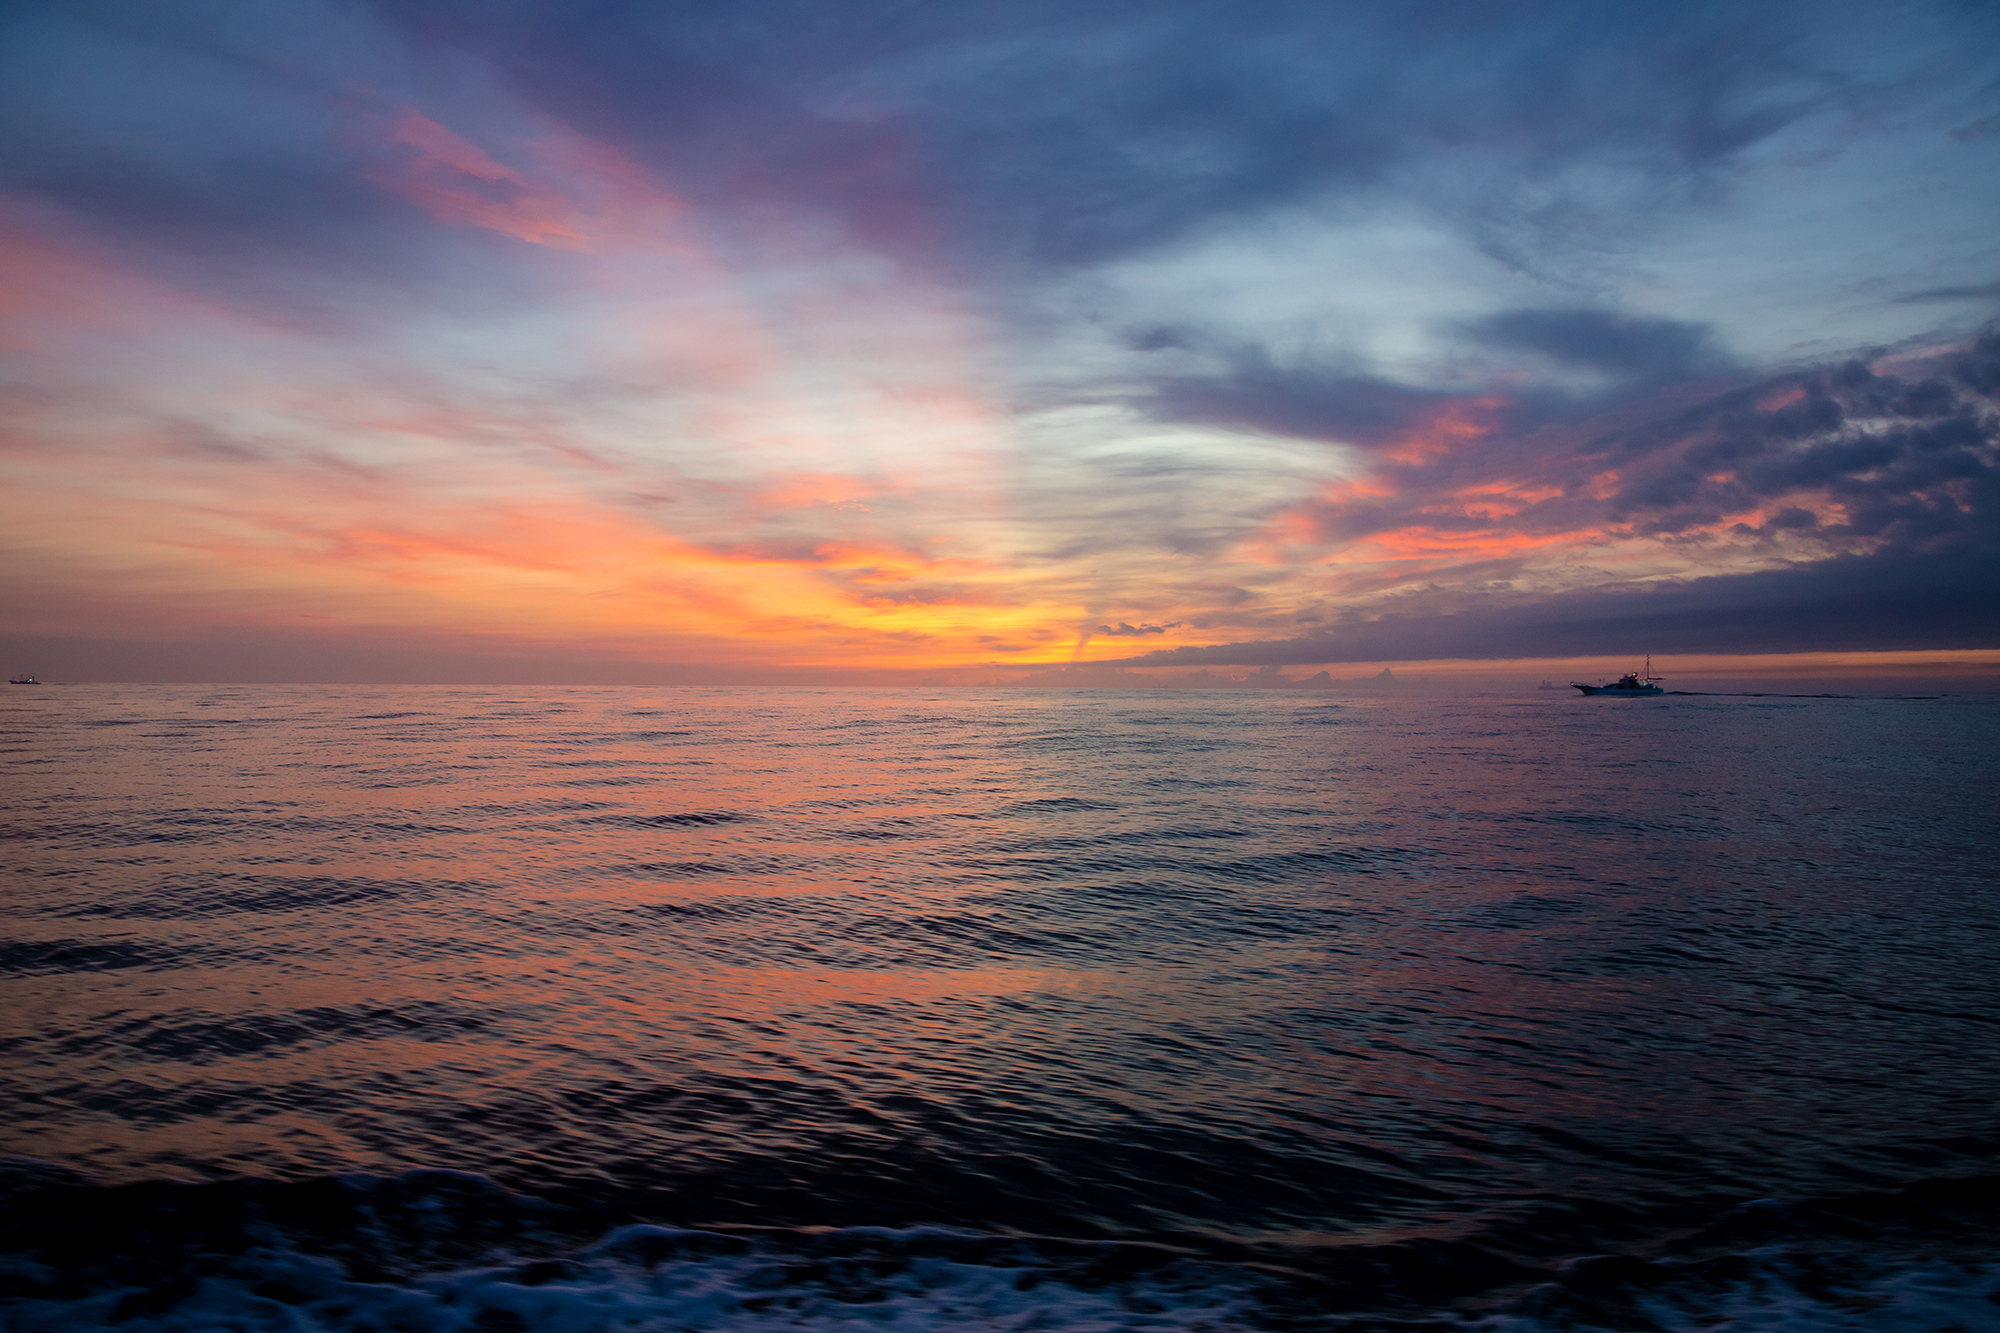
(1257, 972)
(545, 904)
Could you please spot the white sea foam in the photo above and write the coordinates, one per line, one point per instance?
(605, 1289)
(1920, 1298)
(892, 1287)
(1871, 1295)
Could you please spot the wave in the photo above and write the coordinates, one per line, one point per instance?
(446, 1252)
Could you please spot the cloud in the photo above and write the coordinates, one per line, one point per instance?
(839, 333)
(1881, 459)
(1063, 135)
(1028, 134)
(1306, 402)
(1986, 291)
(1872, 500)
(1657, 350)
(456, 182)
(1853, 603)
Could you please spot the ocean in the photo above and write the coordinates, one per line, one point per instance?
(438, 1009)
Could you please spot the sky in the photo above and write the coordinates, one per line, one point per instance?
(442, 340)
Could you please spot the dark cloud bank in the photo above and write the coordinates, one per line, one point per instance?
(1030, 134)
(1910, 462)
(1851, 604)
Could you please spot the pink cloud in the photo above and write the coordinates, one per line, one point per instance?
(457, 183)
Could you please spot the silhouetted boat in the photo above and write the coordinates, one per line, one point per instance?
(1628, 686)
(28, 679)
(1548, 685)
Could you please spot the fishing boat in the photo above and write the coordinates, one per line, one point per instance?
(28, 679)
(1628, 686)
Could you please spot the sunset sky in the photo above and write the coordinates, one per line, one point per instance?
(438, 340)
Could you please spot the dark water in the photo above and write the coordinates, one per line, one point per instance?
(447, 1009)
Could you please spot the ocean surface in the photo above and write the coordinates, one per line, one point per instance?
(616, 1009)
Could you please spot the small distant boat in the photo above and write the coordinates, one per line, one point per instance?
(1628, 686)
(28, 679)
(1548, 685)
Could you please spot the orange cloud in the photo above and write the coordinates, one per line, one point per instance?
(578, 194)
(808, 489)
(805, 469)
(45, 286)
(1278, 540)
(1281, 539)
(1422, 543)
(59, 292)
(1512, 491)
(286, 540)
(1447, 431)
